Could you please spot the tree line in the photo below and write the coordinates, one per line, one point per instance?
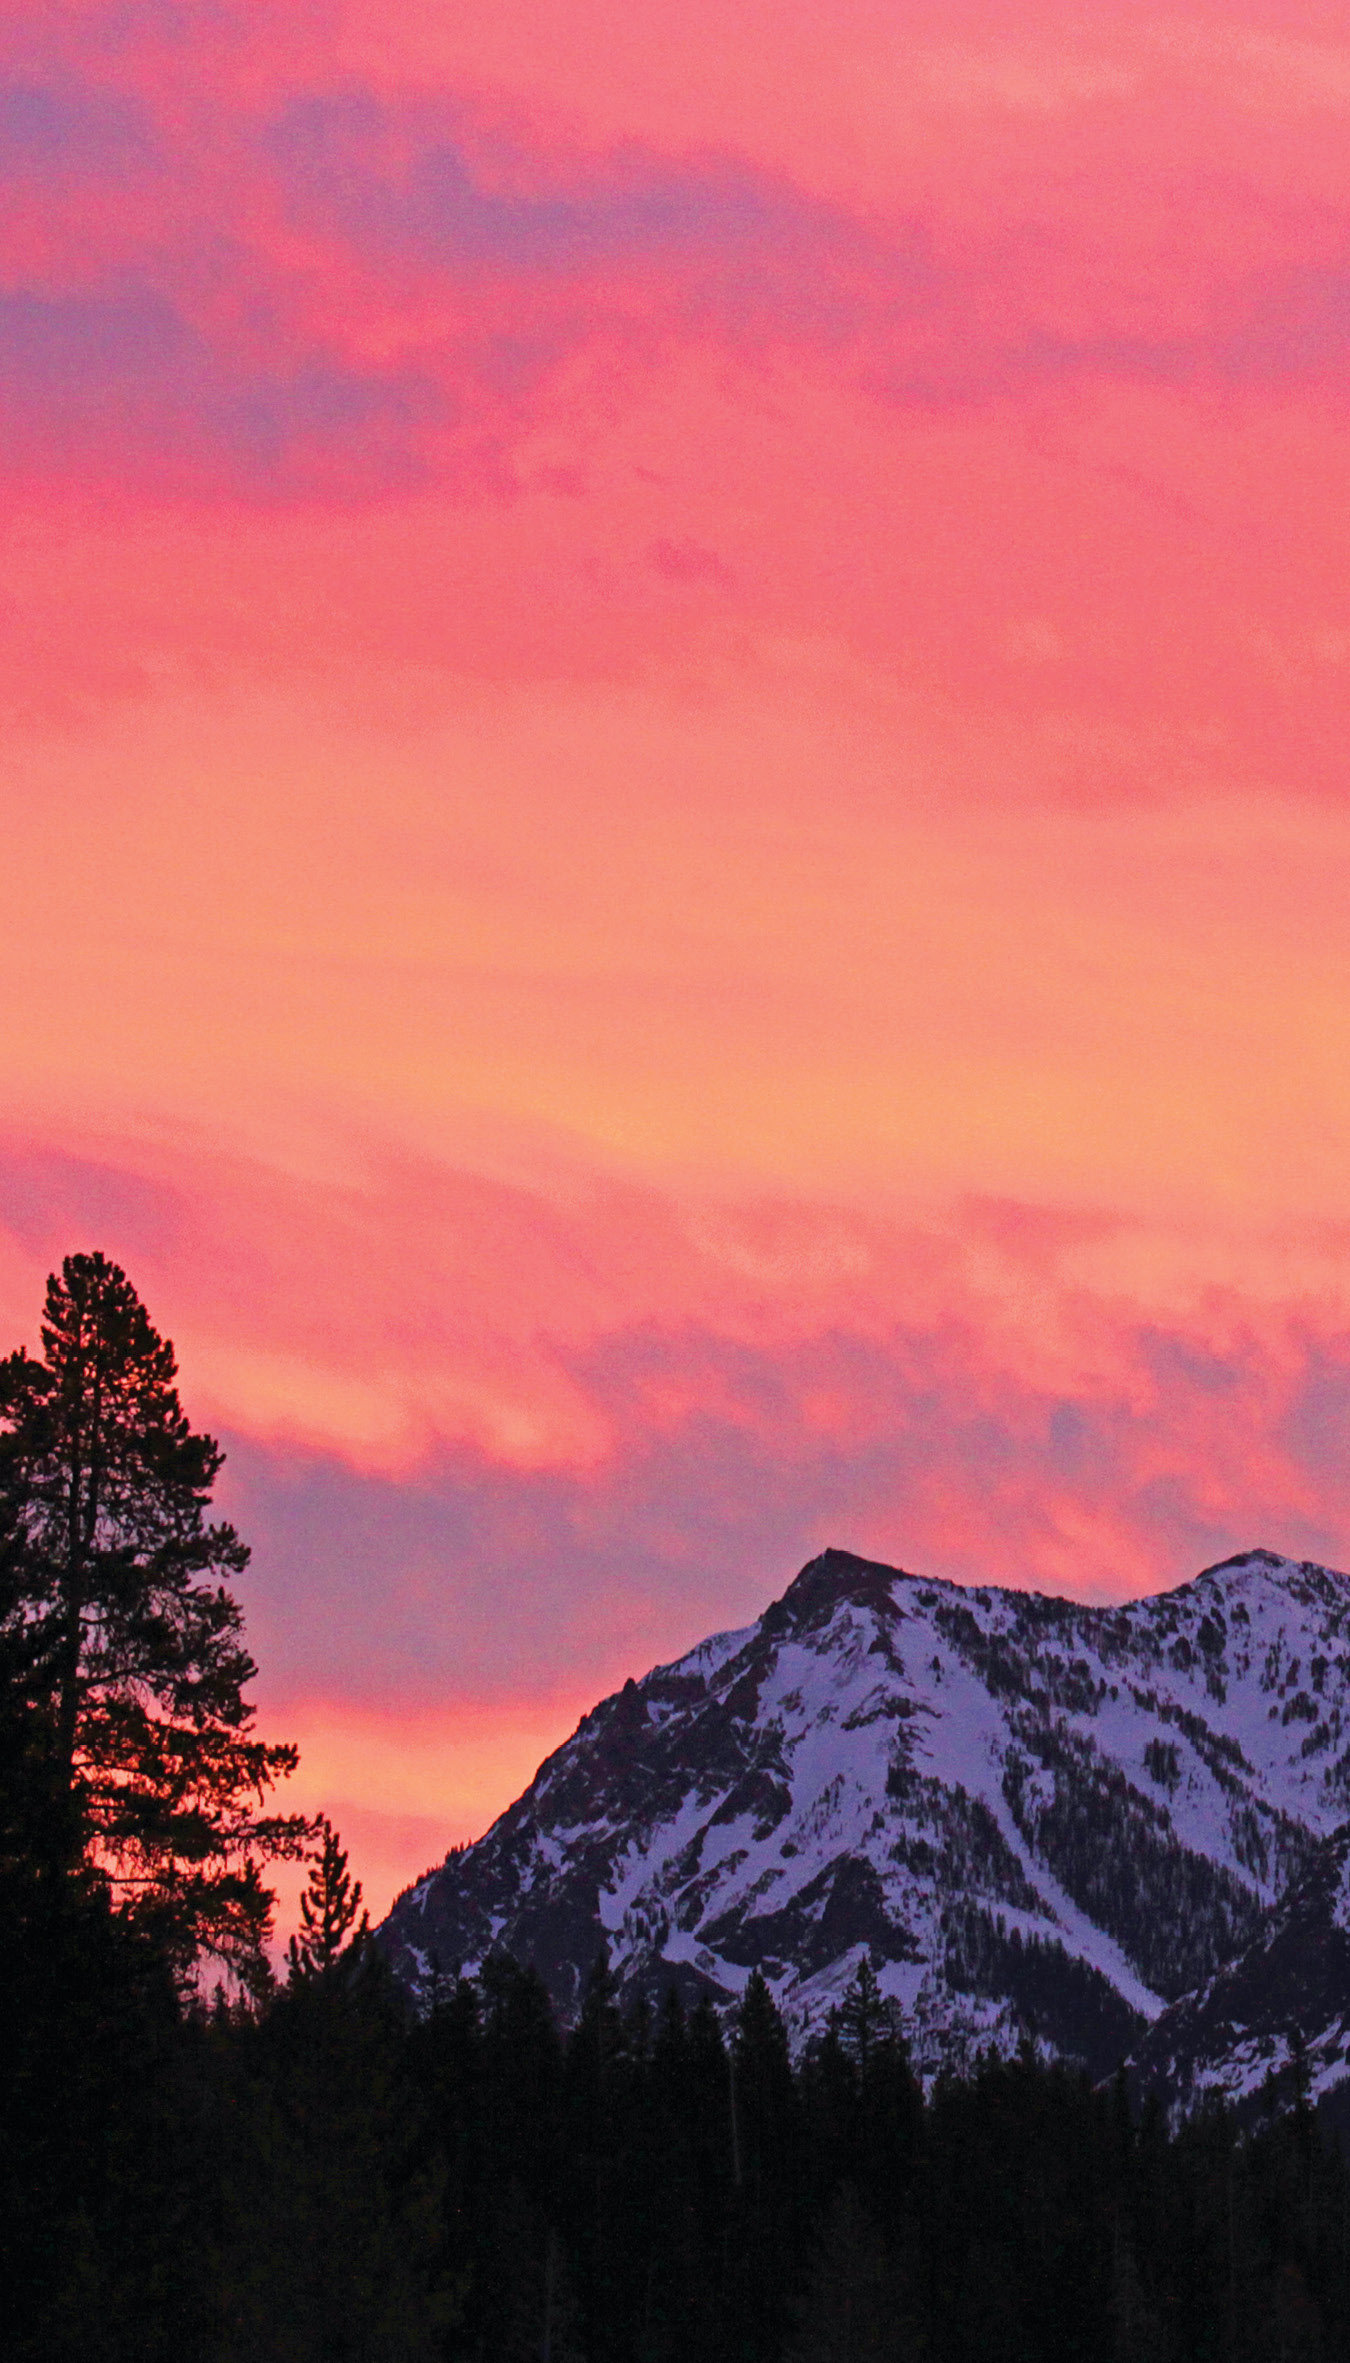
(204, 2161)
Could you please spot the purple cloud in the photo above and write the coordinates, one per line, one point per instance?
(123, 375)
(473, 1580)
(182, 345)
(408, 179)
(68, 131)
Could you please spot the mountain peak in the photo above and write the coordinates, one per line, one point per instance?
(1269, 1575)
(1260, 1559)
(832, 1577)
(1274, 1563)
(1027, 1811)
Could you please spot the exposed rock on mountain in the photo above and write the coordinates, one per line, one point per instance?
(1030, 1812)
(1277, 2015)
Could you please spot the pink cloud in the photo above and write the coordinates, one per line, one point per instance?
(1031, 407)
(486, 1443)
(676, 689)
(301, 284)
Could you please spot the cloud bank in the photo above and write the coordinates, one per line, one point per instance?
(675, 689)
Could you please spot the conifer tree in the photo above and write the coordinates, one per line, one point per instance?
(128, 1643)
(763, 2091)
(328, 1911)
(767, 2169)
(884, 2130)
(852, 2312)
(332, 2239)
(866, 2017)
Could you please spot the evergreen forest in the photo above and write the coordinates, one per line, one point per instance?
(207, 2158)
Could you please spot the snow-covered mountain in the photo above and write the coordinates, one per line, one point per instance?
(1279, 2011)
(1029, 1811)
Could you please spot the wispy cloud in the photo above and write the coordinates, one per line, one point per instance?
(674, 792)
(477, 1582)
(120, 379)
(296, 288)
(609, 1426)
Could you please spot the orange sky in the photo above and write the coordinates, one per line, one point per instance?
(675, 807)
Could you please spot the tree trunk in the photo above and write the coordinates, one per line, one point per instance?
(81, 1519)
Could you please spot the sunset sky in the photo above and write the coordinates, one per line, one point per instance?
(676, 782)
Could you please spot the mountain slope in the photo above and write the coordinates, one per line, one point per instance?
(1281, 2008)
(1027, 1810)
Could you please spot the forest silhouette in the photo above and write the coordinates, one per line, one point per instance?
(202, 2158)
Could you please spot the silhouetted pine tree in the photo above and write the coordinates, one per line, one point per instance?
(853, 2309)
(865, 2018)
(117, 1609)
(534, 2315)
(676, 2213)
(104, 2187)
(333, 2246)
(887, 2119)
(593, 2127)
(521, 2279)
(328, 1912)
(768, 2212)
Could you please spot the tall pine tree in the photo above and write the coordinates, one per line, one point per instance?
(119, 1628)
(331, 1919)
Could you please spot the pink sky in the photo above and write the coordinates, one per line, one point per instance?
(677, 853)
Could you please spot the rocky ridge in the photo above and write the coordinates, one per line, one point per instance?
(1277, 2017)
(1032, 1813)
